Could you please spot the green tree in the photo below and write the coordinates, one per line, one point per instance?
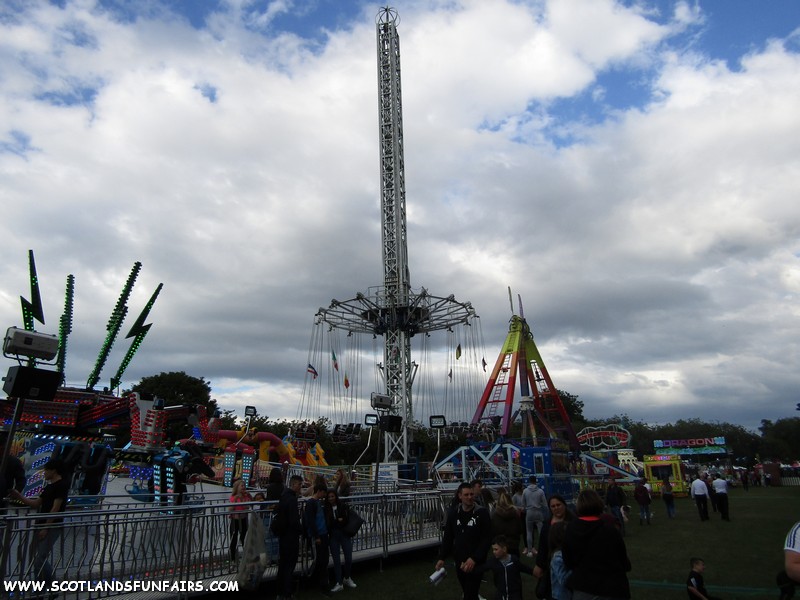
(780, 440)
(178, 389)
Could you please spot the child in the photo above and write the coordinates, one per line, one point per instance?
(558, 572)
(507, 570)
(694, 583)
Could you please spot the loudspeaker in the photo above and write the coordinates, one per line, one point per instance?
(391, 423)
(31, 383)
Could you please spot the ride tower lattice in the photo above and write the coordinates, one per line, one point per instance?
(520, 363)
(394, 310)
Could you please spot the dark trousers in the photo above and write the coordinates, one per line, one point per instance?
(341, 543)
(238, 532)
(288, 551)
(702, 507)
(40, 550)
(669, 500)
(722, 505)
(470, 584)
(322, 554)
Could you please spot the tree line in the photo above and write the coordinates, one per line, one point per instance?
(777, 441)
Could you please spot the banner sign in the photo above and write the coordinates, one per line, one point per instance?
(690, 443)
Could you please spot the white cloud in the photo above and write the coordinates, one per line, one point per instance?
(656, 256)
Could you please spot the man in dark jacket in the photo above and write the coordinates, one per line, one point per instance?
(289, 532)
(467, 534)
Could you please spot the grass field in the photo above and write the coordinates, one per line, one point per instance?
(742, 556)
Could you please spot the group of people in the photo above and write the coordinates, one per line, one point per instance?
(714, 492)
(323, 522)
(579, 557)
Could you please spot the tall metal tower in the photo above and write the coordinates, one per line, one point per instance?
(394, 310)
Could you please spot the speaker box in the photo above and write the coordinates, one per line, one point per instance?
(391, 423)
(31, 383)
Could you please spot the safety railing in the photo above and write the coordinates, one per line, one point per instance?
(139, 542)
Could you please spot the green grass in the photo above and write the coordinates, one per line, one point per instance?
(742, 556)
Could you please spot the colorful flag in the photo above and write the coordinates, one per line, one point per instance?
(346, 382)
(335, 362)
(312, 370)
(458, 351)
(483, 360)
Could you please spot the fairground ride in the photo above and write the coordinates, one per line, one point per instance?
(519, 396)
(393, 311)
(43, 418)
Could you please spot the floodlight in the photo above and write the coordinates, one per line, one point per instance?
(371, 420)
(437, 421)
(380, 401)
(21, 342)
(250, 411)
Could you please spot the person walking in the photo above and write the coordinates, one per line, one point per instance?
(720, 487)
(467, 535)
(668, 496)
(595, 552)
(695, 585)
(642, 497)
(336, 514)
(699, 492)
(559, 513)
(51, 504)
(507, 570)
(535, 508)
(288, 528)
(712, 494)
(615, 499)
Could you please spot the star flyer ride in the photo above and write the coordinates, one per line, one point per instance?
(393, 311)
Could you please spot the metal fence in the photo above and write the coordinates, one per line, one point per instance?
(128, 542)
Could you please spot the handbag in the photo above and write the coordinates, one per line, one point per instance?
(353, 524)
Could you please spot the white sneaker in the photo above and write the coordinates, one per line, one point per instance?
(337, 588)
(349, 582)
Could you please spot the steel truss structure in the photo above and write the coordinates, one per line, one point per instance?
(394, 310)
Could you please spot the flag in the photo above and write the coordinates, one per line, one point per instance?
(346, 382)
(483, 360)
(312, 370)
(450, 375)
(335, 362)
(458, 351)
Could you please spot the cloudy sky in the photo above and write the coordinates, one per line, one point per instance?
(629, 168)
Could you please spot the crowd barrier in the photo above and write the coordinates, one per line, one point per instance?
(122, 541)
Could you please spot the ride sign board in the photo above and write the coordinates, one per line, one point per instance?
(705, 445)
